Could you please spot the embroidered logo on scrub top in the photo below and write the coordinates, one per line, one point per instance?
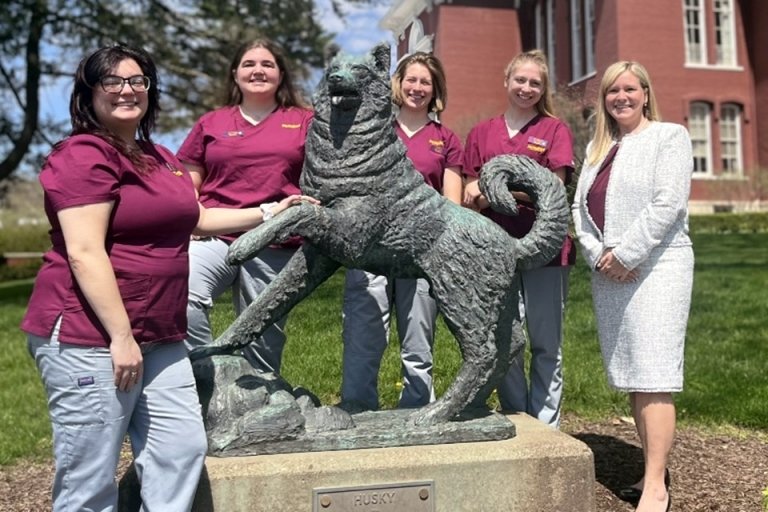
(234, 133)
(291, 126)
(436, 146)
(537, 145)
(85, 381)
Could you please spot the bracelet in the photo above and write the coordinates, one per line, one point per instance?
(266, 210)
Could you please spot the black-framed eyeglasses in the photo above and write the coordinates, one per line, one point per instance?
(115, 84)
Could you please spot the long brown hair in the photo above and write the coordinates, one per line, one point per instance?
(89, 72)
(286, 95)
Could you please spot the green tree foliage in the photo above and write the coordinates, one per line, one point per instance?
(192, 41)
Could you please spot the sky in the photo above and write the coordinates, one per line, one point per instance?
(356, 34)
(360, 31)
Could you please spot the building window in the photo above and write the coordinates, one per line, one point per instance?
(695, 34)
(577, 40)
(730, 138)
(725, 29)
(545, 34)
(589, 39)
(582, 38)
(699, 123)
(541, 26)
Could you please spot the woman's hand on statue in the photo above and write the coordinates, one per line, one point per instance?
(295, 199)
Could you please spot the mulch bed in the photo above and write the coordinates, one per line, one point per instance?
(710, 472)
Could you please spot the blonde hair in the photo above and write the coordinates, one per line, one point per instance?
(439, 90)
(606, 128)
(545, 105)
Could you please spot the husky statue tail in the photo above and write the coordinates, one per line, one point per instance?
(543, 242)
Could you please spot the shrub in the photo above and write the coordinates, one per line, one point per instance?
(16, 272)
(24, 239)
(723, 223)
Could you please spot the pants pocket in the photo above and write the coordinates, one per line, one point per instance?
(80, 385)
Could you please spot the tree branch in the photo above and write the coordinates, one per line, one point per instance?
(31, 112)
(12, 87)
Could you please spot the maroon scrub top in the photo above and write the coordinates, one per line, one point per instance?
(547, 140)
(432, 149)
(147, 241)
(245, 164)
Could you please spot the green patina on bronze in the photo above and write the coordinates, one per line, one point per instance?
(378, 214)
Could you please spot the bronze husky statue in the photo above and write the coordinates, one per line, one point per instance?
(378, 214)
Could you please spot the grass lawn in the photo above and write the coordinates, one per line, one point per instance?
(726, 346)
(726, 382)
(24, 425)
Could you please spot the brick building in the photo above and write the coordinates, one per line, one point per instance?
(703, 56)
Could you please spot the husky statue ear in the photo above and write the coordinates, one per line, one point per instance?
(330, 51)
(381, 55)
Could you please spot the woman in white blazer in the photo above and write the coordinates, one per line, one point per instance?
(631, 219)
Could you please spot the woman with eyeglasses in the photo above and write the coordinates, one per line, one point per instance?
(245, 154)
(107, 315)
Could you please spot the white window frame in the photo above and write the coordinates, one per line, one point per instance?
(545, 26)
(589, 35)
(730, 121)
(725, 32)
(540, 27)
(582, 39)
(551, 41)
(577, 40)
(697, 7)
(700, 130)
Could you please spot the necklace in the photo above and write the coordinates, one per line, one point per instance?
(642, 125)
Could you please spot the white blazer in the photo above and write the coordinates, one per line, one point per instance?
(646, 204)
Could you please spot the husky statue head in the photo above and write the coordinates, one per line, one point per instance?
(355, 89)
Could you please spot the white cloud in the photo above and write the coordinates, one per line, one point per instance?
(326, 17)
(359, 31)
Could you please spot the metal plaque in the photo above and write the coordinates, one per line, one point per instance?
(398, 497)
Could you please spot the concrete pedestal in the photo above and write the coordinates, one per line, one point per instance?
(540, 469)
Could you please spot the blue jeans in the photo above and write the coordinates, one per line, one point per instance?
(90, 418)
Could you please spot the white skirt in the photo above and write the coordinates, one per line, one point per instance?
(642, 325)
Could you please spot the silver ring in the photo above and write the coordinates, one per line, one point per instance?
(133, 374)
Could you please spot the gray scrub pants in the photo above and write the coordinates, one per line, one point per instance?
(210, 275)
(544, 291)
(90, 418)
(368, 301)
